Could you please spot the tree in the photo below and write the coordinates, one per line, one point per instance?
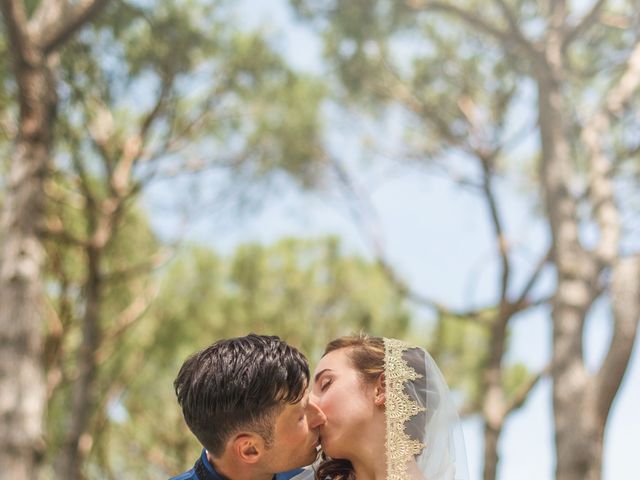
(100, 252)
(110, 151)
(470, 70)
(92, 304)
(304, 290)
(35, 33)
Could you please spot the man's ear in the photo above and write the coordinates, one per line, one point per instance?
(248, 447)
(379, 391)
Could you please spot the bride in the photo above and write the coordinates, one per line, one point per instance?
(389, 413)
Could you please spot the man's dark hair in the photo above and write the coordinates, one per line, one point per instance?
(239, 384)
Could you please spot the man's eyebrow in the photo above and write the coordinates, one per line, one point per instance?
(319, 374)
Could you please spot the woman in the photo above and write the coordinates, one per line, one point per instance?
(389, 413)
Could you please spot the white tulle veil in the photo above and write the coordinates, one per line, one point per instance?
(423, 433)
(424, 438)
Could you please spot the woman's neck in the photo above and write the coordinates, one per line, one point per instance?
(374, 469)
(370, 460)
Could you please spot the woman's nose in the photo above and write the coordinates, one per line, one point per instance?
(315, 417)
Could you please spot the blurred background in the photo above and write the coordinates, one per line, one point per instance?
(459, 174)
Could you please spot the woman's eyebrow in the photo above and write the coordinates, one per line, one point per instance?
(319, 374)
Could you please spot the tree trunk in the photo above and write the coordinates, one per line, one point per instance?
(581, 401)
(78, 441)
(491, 458)
(22, 381)
(33, 38)
(573, 296)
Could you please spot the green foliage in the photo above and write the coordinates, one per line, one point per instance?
(174, 39)
(132, 246)
(7, 106)
(515, 377)
(461, 348)
(467, 89)
(305, 291)
(454, 86)
(293, 116)
(461, 87)
(220, 96)
(183, 81)
(227, 97)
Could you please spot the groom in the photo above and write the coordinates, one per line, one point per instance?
(246, 401)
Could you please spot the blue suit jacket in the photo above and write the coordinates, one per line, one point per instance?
(203, 470)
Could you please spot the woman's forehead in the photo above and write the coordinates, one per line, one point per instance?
(337, 359)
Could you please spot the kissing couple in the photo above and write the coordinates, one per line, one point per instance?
(375, 409)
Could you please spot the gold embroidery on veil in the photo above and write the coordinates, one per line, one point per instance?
(399, 408)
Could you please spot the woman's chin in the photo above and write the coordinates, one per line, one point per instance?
(333, 446)
(330, 450)
(326, 448)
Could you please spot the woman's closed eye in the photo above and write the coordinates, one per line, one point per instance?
(324, 384)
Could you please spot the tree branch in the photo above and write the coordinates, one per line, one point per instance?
(85, 186)
(474, 20)
(374, 237)
(536, 303)
(172, 138)
(73, 18)
(503, 247)
(15, 19)
(471, 18)
(601, 190)
(625, 302)
(619, 97)
(521, 395)
(121, 178)
(55, 230)
(591, 17)
(132, 271)
(469, 408)
(127, 318)
(522, 298)
(402, 93)
(160, 102)
(514, 28)
(600, 183)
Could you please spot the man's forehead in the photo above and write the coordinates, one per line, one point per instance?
(294, 408)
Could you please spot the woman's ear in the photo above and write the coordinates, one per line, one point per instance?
(247, 447)
(379, 391)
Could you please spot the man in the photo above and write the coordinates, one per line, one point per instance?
(246, 401)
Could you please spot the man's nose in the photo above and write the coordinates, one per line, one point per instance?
(315, 417)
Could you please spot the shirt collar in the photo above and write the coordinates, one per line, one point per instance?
(206, 471)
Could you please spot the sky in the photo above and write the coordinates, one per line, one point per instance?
(437, 237)
(453, 251)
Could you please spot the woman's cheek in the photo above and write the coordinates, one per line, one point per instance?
(325, 403)
(336, 402)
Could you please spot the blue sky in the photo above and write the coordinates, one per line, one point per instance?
(453, 251)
